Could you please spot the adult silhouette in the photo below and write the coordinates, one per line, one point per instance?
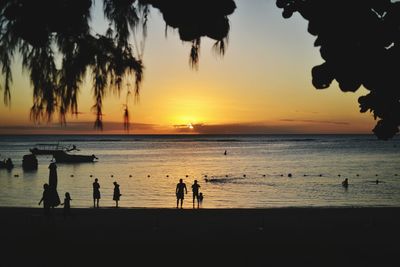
(180, 191)
(96, 193)
(53, 181)
(116, 194)
(195, 190)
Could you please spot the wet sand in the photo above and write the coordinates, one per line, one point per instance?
(253, 237)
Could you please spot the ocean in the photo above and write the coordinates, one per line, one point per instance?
(258, 171)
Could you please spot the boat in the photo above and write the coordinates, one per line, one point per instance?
(64, 157)
(29, 162)
(50, 149)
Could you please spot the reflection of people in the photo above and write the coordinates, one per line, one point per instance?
(180, 191)
(45, 199)
(67, 205)
(53, 180)
(345, 183)
(117, 194)
(195, 190)
(96, 193)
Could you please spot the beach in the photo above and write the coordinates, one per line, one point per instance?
(255, 237)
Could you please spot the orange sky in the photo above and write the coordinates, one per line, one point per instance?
(261, 85)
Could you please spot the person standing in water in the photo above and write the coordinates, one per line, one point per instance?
(195, 190)
(180, 191)
(67, 205)
(96, 193)
(53, 181)
(345, 183)
(116, 194)
(46, 200)
(201, 199)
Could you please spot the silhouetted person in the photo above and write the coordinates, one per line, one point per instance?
(201, 199)
(53, 180)
(345, 183)
(96, 193)
(67, 205)
(116, 194)
(45, 199)
(9, 164)
(180, 191)
(195, 190)
(225, 153)
(377, 181)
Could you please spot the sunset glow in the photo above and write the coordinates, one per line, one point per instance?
(261, 85)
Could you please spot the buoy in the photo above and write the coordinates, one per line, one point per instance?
(339, 175)
(187, 176)
(226, 175)
(91, 175)
(244, 175)
(320, 175)
(167, 176)
(305, 175)
(72, 175)
(357, 175)
(112, 175)
(130, 176)
(148, 176)
(281, 175)
(376, 174)
(289, 175)
(263, 175)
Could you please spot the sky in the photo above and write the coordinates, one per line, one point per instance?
(262, 85)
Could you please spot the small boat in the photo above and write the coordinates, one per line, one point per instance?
(29, 162)
(50, 149)
(64, 157)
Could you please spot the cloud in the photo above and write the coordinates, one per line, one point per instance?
(76, 128)
(283, 126)
(316, 121)
(240, 128)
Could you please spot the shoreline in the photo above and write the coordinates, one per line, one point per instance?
(365, 236)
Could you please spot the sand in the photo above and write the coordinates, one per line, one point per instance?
(249, 237)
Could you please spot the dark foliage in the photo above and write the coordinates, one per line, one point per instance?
(196, 19)
(360, 43)
(58, 49)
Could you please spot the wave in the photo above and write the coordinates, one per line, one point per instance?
(222, 180)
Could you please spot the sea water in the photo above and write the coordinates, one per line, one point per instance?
(258, 171)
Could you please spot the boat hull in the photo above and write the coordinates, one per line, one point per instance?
(62, 157)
